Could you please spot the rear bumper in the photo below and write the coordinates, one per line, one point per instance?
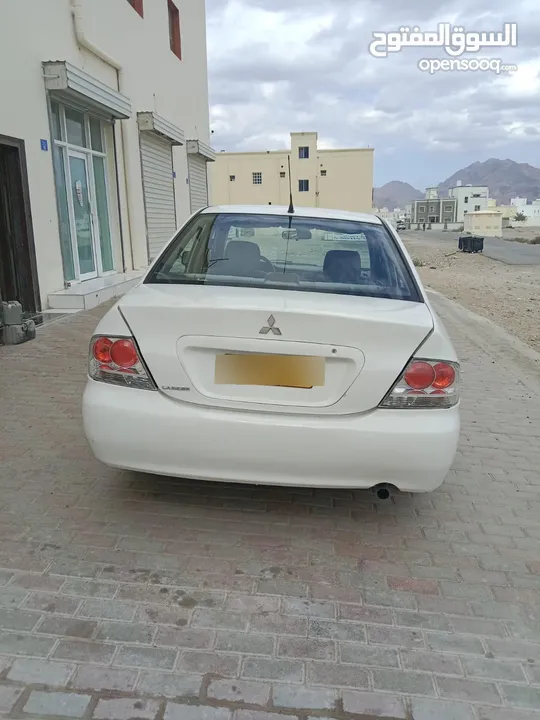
(146, 431)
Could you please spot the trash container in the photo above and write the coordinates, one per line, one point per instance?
(477, 244)
(471, 243)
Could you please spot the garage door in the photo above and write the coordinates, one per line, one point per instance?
(198, 187)
(158, 184)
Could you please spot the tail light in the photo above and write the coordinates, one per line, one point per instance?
(425, 384)
(116, 360)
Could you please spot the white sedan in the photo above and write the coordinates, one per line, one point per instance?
(274, 347)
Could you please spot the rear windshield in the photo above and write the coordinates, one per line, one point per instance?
(287, 252)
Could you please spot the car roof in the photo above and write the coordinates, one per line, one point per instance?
(309, 212)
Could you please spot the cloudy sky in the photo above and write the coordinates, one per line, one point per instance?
(278, 66)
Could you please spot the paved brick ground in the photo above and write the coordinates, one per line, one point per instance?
(141, 597)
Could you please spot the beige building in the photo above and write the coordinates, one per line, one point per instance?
(337, 179)
(487, 223)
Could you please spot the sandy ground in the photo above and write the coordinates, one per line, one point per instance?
(509, 295)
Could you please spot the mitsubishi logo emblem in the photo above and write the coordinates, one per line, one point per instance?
(270, 327)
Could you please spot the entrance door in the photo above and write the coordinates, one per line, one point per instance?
(18, 272)
(82, 218)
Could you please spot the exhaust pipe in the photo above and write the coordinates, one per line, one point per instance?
(383, 492)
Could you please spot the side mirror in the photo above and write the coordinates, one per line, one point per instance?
(184, 257)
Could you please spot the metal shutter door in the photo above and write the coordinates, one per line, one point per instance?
(198, 188)
(158, 184)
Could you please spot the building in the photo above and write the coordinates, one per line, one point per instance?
(434, 209)
(337, 179)
(470, 198)
(104, 142)
(487, 223)
(392, 216)
(531, 211)
(408, 212)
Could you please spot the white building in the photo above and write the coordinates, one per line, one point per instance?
(392, 216)
(104, 142)
(470, 198)
(531, 212)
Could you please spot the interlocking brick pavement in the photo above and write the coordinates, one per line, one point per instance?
(125, 596)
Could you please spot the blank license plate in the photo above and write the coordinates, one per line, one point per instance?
(293, 371)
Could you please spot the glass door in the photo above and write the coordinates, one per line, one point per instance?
(82, 219)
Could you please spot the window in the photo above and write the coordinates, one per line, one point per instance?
(232, 178)
(476, 207)
(466, 200)
(431, 208)
(137, 5)
(447, 208)
(257, 178)
(309, 254)
(282, 174)
(421, 208)
(303, 185)
(323, 173)
(303, 153)
(174, 29)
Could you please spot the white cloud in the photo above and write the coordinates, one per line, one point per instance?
(304, 65)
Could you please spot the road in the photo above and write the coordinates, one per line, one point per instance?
(511, 253)
(125, 596)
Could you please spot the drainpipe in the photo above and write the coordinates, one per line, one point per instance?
(80, 35)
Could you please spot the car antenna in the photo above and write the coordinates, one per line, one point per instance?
(290, 212)
(291, 206)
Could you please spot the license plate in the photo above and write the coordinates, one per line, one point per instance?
(292, 371)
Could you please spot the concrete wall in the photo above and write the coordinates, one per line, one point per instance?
(347, 185)
(487, 224)
(155, 79)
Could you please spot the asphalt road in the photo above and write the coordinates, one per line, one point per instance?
(511, 253)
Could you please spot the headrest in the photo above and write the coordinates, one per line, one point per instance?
(345, 258)
(243, 250)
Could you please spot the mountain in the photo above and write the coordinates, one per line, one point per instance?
(505, 179)
(395, 194)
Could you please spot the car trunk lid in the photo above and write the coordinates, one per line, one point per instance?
(273, 350)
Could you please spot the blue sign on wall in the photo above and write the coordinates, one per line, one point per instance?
(44, 145)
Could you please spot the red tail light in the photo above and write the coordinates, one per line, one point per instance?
(102, 350)
(419, 375)
(117, 361)
(124, 354)
(425, 384)
(444, 376)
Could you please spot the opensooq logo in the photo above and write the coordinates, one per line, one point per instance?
(455, 41)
